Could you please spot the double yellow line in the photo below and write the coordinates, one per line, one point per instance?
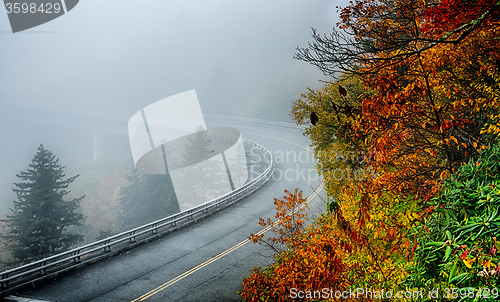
(226, 252)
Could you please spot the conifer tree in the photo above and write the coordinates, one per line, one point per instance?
(38, 225)
(201, 178)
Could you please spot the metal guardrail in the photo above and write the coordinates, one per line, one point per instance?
(50, 267)
(258, 121)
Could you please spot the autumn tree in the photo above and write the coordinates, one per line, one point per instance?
(289, 225)
(435, 76)
(340, 159)
(38, 225)
(305, 257)
(101, 207)
(379, 33)
(371, 229)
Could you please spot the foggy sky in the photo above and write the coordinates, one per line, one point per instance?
(118, 56)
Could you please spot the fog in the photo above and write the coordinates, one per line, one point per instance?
(74, 82)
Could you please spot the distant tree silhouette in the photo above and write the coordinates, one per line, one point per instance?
(201, 177)
(147, 198)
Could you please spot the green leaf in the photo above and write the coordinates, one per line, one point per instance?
(435, 243)
(447, 253)
(458, 279)
(453, 271)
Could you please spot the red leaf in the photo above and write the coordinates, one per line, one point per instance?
(463, 255)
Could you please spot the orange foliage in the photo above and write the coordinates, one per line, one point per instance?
(308, 261)
(432, 102)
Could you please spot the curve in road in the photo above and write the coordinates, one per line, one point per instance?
(207, 261)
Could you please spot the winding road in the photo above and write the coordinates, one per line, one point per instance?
(206, 261)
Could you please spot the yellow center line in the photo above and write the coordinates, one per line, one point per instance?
(226, 252)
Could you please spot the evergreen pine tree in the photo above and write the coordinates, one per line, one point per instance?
(202, 179)
(40, 218)
(198, 148)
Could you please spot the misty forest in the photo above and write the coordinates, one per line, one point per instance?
(91, 81)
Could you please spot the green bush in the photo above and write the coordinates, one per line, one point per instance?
(457, 243)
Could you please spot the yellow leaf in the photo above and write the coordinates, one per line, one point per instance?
(467, 263)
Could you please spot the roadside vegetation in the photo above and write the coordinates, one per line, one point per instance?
(406, 138)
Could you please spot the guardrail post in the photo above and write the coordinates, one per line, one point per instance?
(77, 256)
(154, 228)
(132, 239)
(42, 271)
(4, 284)
(107, 246)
